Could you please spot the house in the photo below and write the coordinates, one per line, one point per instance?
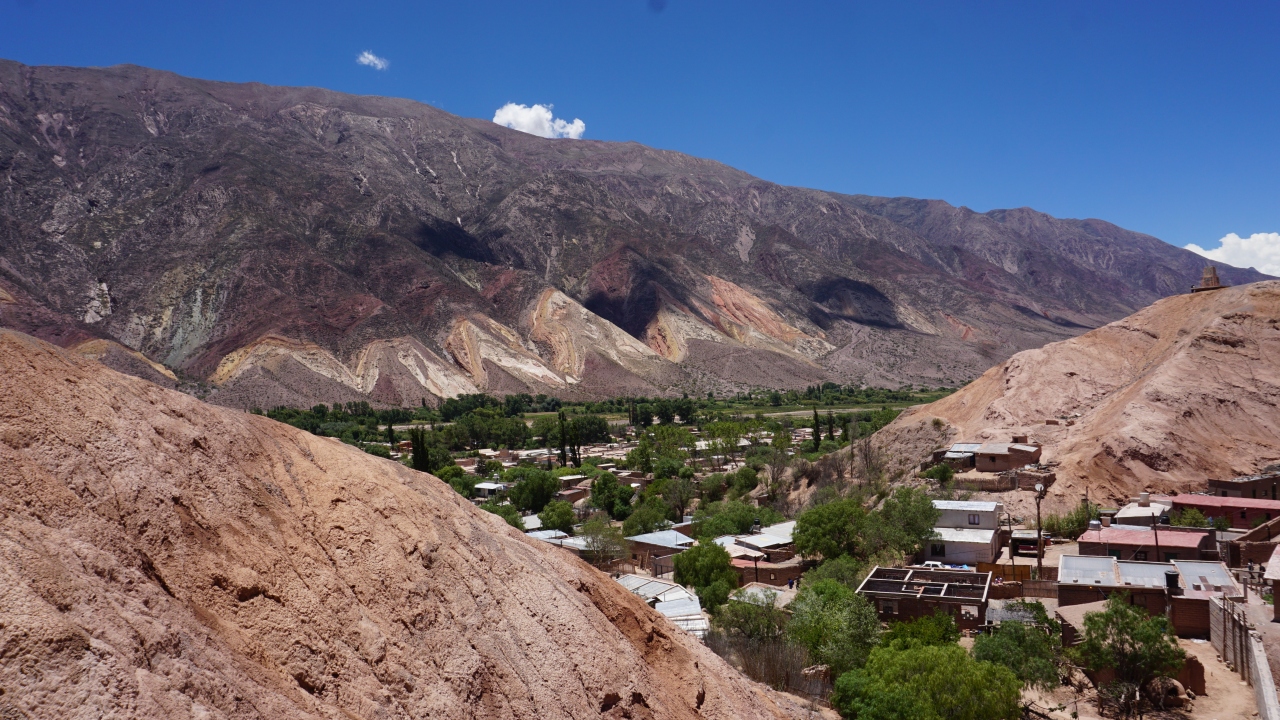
(908, 593)
(1263, 486)
(1189, 602)
(1272, 575)
(1091, 578)
(568, 481)
(488, 490)
(662, 544)
(676, 603)
(1243, 513)
(968, 514)
(573, 495)
(1145, 543)
(752, 570)
(1143, 510)
(963, 546)
(990, 457)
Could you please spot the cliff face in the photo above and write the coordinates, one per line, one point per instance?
(305, 233)
(1179, 392)
(162, 558)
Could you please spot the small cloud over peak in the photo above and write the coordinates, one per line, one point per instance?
(1260, 251)
(538, 120)
(373, 61)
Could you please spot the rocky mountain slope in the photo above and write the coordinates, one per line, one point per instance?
(164, 558)
(286, 245)
(1179, 392)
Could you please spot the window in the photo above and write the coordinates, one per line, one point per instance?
(888, 607)
(1224, 493)
(1140, 555)
(1255, 493)
(938, 549)
(1170, 556)
(1114, 553)
(1242, 514)
(974, 519)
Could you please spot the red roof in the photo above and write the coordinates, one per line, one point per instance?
(1137, 538)
(1213, 501)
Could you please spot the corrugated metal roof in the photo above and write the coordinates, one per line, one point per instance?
(1145, 538)
(546, 534)
(763, 541)
(1023, 448)
(1140, 574)
(664, 538)
(966, 505)
(965, 447)
(782, 529)
(679, 608)
(957, 455)
(964, 535)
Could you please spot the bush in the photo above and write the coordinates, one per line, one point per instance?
(845, 570)
(752, 615)
(936, 629)
(1033, 654)
(941, 472)
(611, 496)
(557, 515)
(1188, 517)
(381, 451)
(927, 682)
(836, 625)
(506, 511)
(1073, 524)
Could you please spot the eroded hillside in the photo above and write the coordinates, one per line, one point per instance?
(1179, 392)
(164, 558)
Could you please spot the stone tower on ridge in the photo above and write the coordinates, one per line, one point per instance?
(1208, 280)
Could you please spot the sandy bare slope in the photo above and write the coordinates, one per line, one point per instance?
(1184, 390)
(163, 558)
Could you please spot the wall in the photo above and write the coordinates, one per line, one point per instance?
(1152, 600)
(1242, 649)
(962, 552)
(769, 574)
(960, 519)
(911, 608)
(1190, 616)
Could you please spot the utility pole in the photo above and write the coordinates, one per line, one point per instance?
(1039, 533)
(1013, 575)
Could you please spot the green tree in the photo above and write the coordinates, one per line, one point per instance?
(427, 456)
(1136, 647)
(1034, 654)
(678, 493)
(830, 530)
(641, 456)
(604, 543)
(649, 516)
(534, 490)
(846, 570)
(936, 629)
(902, 525)
(708, 569)
(836, 625)
(506, 511)
(927, 682)
(1188, 517)
(754, 615)
(732, 517)
(557, 515)
(611, 496)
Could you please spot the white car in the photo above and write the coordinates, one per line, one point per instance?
(933, 564)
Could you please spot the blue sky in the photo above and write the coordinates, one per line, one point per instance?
(1161, 117)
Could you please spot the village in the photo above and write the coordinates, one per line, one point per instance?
(1208, 562)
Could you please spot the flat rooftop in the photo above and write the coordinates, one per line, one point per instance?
(953, 585)
(966, 505)
(1171, 539)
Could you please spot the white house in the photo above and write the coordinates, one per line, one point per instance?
(963, 546)
(969, 514)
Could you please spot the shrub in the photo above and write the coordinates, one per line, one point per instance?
(1073, 524)
(1034, 654)
(927, 682)
(506, 511)
(752, 615)
(649, 516)
(836, 625)
(936, 629)
(941, 472)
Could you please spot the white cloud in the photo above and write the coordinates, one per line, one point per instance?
(373, 61)
(1260, 251)
(537, 120)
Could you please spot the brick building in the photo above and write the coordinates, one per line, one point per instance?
(913, 592)
(989, 457)
(1143, 543)
(1244, 513)
(1263, 486)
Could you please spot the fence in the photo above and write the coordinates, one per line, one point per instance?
(1241, 648)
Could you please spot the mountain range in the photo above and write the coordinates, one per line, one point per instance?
(264, 245)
